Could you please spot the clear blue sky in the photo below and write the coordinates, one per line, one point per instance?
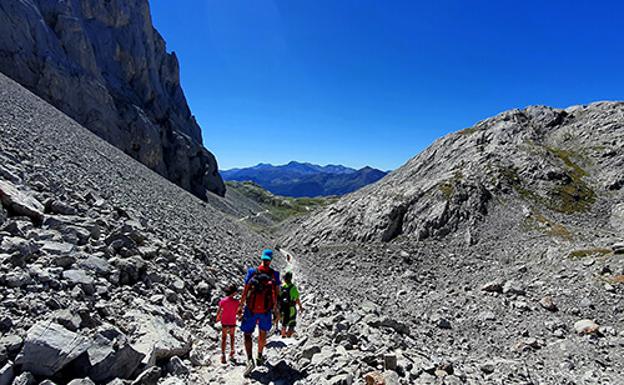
(360, 82)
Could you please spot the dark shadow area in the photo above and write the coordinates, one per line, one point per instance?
(280, 374)
(276, 344)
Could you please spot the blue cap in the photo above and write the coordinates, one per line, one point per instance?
(267, 255)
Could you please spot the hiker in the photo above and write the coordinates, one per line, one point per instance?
(289, 300)
(259, 300)
(226, 314)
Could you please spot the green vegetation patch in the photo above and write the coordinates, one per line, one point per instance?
(575, 195)
(468, 131)
(594, 252)
(279, 207)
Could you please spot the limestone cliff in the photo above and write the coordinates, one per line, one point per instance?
(104, 65)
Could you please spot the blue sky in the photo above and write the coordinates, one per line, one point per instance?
(359, 82)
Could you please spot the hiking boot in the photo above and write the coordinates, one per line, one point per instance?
(260, 360)
(223, 361)
(249, 368)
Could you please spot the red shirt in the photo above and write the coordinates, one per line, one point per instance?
(228, 307)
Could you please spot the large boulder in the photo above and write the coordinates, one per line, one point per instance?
(19, 203)
(157, 339)
(49, 348)
(107, 359)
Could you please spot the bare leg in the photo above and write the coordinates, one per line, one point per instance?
(261, 341)
(248, 346)
(232, 330)
(224, 332)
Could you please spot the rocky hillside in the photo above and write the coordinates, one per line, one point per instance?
(549, 168)
(493, 257)
(104, 65)
(107, 269)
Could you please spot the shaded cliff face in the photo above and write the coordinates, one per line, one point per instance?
(104, 65)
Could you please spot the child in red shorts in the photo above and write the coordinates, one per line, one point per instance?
(227, 315)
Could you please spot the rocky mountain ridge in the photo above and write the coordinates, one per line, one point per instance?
(305, 179)
(552, 166)
(104, 65)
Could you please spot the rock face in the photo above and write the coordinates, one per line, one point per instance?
(104, 65)
(540, 162)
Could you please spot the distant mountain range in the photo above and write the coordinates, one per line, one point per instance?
(297, 179)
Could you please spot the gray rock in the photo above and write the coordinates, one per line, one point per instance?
(57, 248)
(493, 287)
(157, 339)
(81, 381)
(586, 326)
(11, 344)
(18, 203)
(66, 318)
(109, 359)
(390, 362)
(548, 303)
(49, 347)
(309, 352)
(150, 376)
(96, 264)
(81, 278)
(177, 367)
(25, 378)
(7, 374)
(137, 105)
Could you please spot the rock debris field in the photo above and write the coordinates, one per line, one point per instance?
(111, 275)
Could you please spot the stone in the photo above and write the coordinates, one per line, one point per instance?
(57, 248)
(341, 379)
(11, 344)
(49, 347)
(150, 376)
(80, 278)
(19, 203)
(25, 378)
(390, 361)
(157, 339)
(177, 367)
(81, 381)
(493, 287)
(488, 367)
(548, 303)
(586, 326)
(309, 352)
(96, 264)
(109, 359)
(66, 318)
(7, 374)
(374, 378)
(57, 207)
(512, 287)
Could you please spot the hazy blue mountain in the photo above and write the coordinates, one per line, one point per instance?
(297, 179)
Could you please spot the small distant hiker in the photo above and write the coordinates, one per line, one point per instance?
(289, 300)
(226, 314)
(259, 300)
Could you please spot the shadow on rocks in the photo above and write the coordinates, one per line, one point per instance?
(279, 374)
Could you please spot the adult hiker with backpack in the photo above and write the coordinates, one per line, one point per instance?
(289, 299)
(258, 306)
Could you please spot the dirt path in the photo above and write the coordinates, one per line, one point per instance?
(277, 352)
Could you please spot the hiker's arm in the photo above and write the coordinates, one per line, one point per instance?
(243, 300)
(219, 312)
(298, 302)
